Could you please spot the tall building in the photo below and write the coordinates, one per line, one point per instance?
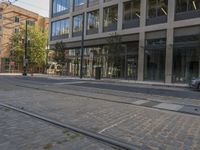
(160, 38)
(11, 18)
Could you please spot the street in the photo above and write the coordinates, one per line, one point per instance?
(143, 116)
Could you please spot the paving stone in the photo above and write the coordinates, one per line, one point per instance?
(166, 106)
(140, 102)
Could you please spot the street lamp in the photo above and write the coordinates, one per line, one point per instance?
(82, 45)
(25, 61)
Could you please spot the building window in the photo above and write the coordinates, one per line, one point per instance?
(79, 2)
(0, 28)
(77, 25)
(131, 14)
(155, 60)
(1, 16)
(186, 58)
(30, 22)
(110, 18)
(60, 29)
(16, 30)
(93, 22)
(187, 5)
(186, 9)
(60, 6)
(16, 19)
(157, 11)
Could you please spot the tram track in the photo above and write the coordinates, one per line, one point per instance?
(114, 143)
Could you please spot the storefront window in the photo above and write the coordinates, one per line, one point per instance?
(155, 52)
(186, 60)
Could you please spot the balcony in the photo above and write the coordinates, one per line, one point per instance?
(187, 15)
(156, 20)
(131, 23)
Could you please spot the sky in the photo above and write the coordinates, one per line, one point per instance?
(39, 6)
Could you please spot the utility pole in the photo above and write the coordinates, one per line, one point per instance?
(82, 45)
(25, 50)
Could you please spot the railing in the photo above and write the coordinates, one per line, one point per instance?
(187, 15)
(156, 20)
(92, 31)
(131, 23)
(111, 27)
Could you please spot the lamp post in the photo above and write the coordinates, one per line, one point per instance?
(82, 45)
(47, 57)
(25, 63)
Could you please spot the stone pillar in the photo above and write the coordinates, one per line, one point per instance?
(101, 16)
(120, 15)
(141, 41)
(169, 42)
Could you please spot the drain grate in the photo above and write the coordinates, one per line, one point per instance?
(191, 109)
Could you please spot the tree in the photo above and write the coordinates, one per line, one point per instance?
(59, 56)
(36, 49)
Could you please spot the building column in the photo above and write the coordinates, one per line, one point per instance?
(170, 42)
(120, 15)
(71, 19)
(141, 48)
(101, 16)
(141, 56)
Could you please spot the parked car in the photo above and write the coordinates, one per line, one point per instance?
(195, 83)
(54, 69)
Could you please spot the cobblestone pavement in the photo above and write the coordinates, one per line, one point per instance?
(145, 127)
(21, 132)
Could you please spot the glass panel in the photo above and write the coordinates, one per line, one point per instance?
(131, 10)
(186, 64)
(77, 23)
(79, 2)
(60, 5)
(110, 15)
(93, 20)
(157, 8)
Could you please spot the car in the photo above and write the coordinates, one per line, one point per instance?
(54, 69)
(195, 83)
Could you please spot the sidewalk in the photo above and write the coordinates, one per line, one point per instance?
(57, 77)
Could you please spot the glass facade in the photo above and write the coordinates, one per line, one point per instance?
(110, 18)
(157, 8)
(186, 58)
(79, 2)
(155, 53)
(187, 5)
(131, 13)
(60, 6)
(77, 25)
(60, 29)
(93, 22)
(112, 64)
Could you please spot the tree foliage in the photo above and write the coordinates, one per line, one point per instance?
(59, 56)
(36, 49)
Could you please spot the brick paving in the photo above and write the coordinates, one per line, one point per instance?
(145, 127)
(21, 132)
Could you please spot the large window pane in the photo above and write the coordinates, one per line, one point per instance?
(110, 18)
(187, 5)
(79, 2)
(155, 60)
(77, 25)
(93, 20)
(60, 28)
(60, 6)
